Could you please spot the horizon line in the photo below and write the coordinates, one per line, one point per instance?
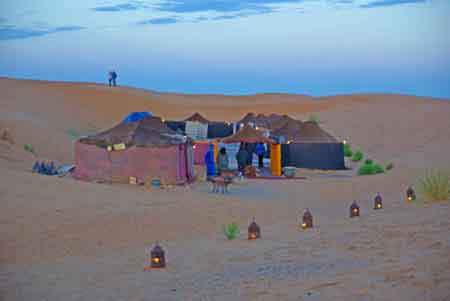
(225, 94)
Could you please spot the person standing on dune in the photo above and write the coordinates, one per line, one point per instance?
(112, 75)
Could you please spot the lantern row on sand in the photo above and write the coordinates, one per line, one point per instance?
(157, 255)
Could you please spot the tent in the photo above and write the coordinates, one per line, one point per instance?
(309, 146)
(145, 149)
(196, 117)
(219, 130)
(201, 125)
(136, 116)
(269, 122)
(247, 134)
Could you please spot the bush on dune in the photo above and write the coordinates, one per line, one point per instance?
(314, 118)
(435, 186)
(389, 166)
(370, 168)
(231, 231)
(357, 156)
(347, 150)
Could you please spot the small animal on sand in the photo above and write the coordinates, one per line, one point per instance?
(220, 184)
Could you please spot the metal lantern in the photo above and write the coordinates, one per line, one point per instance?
(307, 220)
(377, 202)
(254, 231)
(410, 194)
(354, 209)
(157, 257)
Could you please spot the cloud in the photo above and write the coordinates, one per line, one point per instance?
(381, 3)
(159, 21)
(222, 6)
(119, 7)
(12, 33)
(2, 20)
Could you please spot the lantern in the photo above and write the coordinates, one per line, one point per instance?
(378, 202)
(307, 220)
(254, 231)
(354, 209)
(410, 194)
(157, 257)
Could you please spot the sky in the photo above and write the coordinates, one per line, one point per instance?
(315, 47)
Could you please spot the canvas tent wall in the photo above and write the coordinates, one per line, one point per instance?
(152, 151)
(219, 130)
(311, 147)
(214, 129)
(177, 126)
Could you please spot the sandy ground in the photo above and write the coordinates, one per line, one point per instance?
(61, 239)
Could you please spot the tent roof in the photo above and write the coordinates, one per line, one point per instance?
(307, 132)
(249, 135)
(198, 118)
(271, 122)
(149, 131)
(290, 129)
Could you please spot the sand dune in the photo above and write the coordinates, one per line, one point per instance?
(62, 239)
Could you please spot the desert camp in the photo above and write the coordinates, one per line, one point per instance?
(102, 203)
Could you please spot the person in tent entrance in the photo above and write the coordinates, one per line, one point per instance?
(260, 150)
(241, 158)
(210, 162)
(112, 75)
(222, 160)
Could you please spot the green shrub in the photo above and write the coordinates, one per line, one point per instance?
(389, 166)
(231, 231)
(378, 168)
(434, 186)
(357, 156)
(370, 169)
(347, 150)
(365, 169)
(368, 161)
(314, 118)
(29, 148)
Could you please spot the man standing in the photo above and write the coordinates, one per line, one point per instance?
(241, 158)
(260, 151)
(210, 162)
(112, 75)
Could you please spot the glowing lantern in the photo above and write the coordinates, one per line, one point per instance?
(344, 142)
(410, 194)
(157, 257)
(254, 231)
(307, 220)
(194, 147)
(354, 209)
(378, 202)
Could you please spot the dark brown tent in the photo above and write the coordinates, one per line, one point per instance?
(248, 134)
(150, 131)
(196, 117)
(290, 130)
(270, 122)
(309, 146)
(152, 151)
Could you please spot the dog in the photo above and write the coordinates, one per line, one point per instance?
(220, 184)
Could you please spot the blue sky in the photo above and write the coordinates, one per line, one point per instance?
(317, 47)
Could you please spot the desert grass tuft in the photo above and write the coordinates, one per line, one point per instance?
(231, 231)
(434, 186)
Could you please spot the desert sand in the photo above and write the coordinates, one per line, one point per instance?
(62, 239)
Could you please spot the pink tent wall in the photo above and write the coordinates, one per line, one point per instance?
(169, 164)
(200, 151)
